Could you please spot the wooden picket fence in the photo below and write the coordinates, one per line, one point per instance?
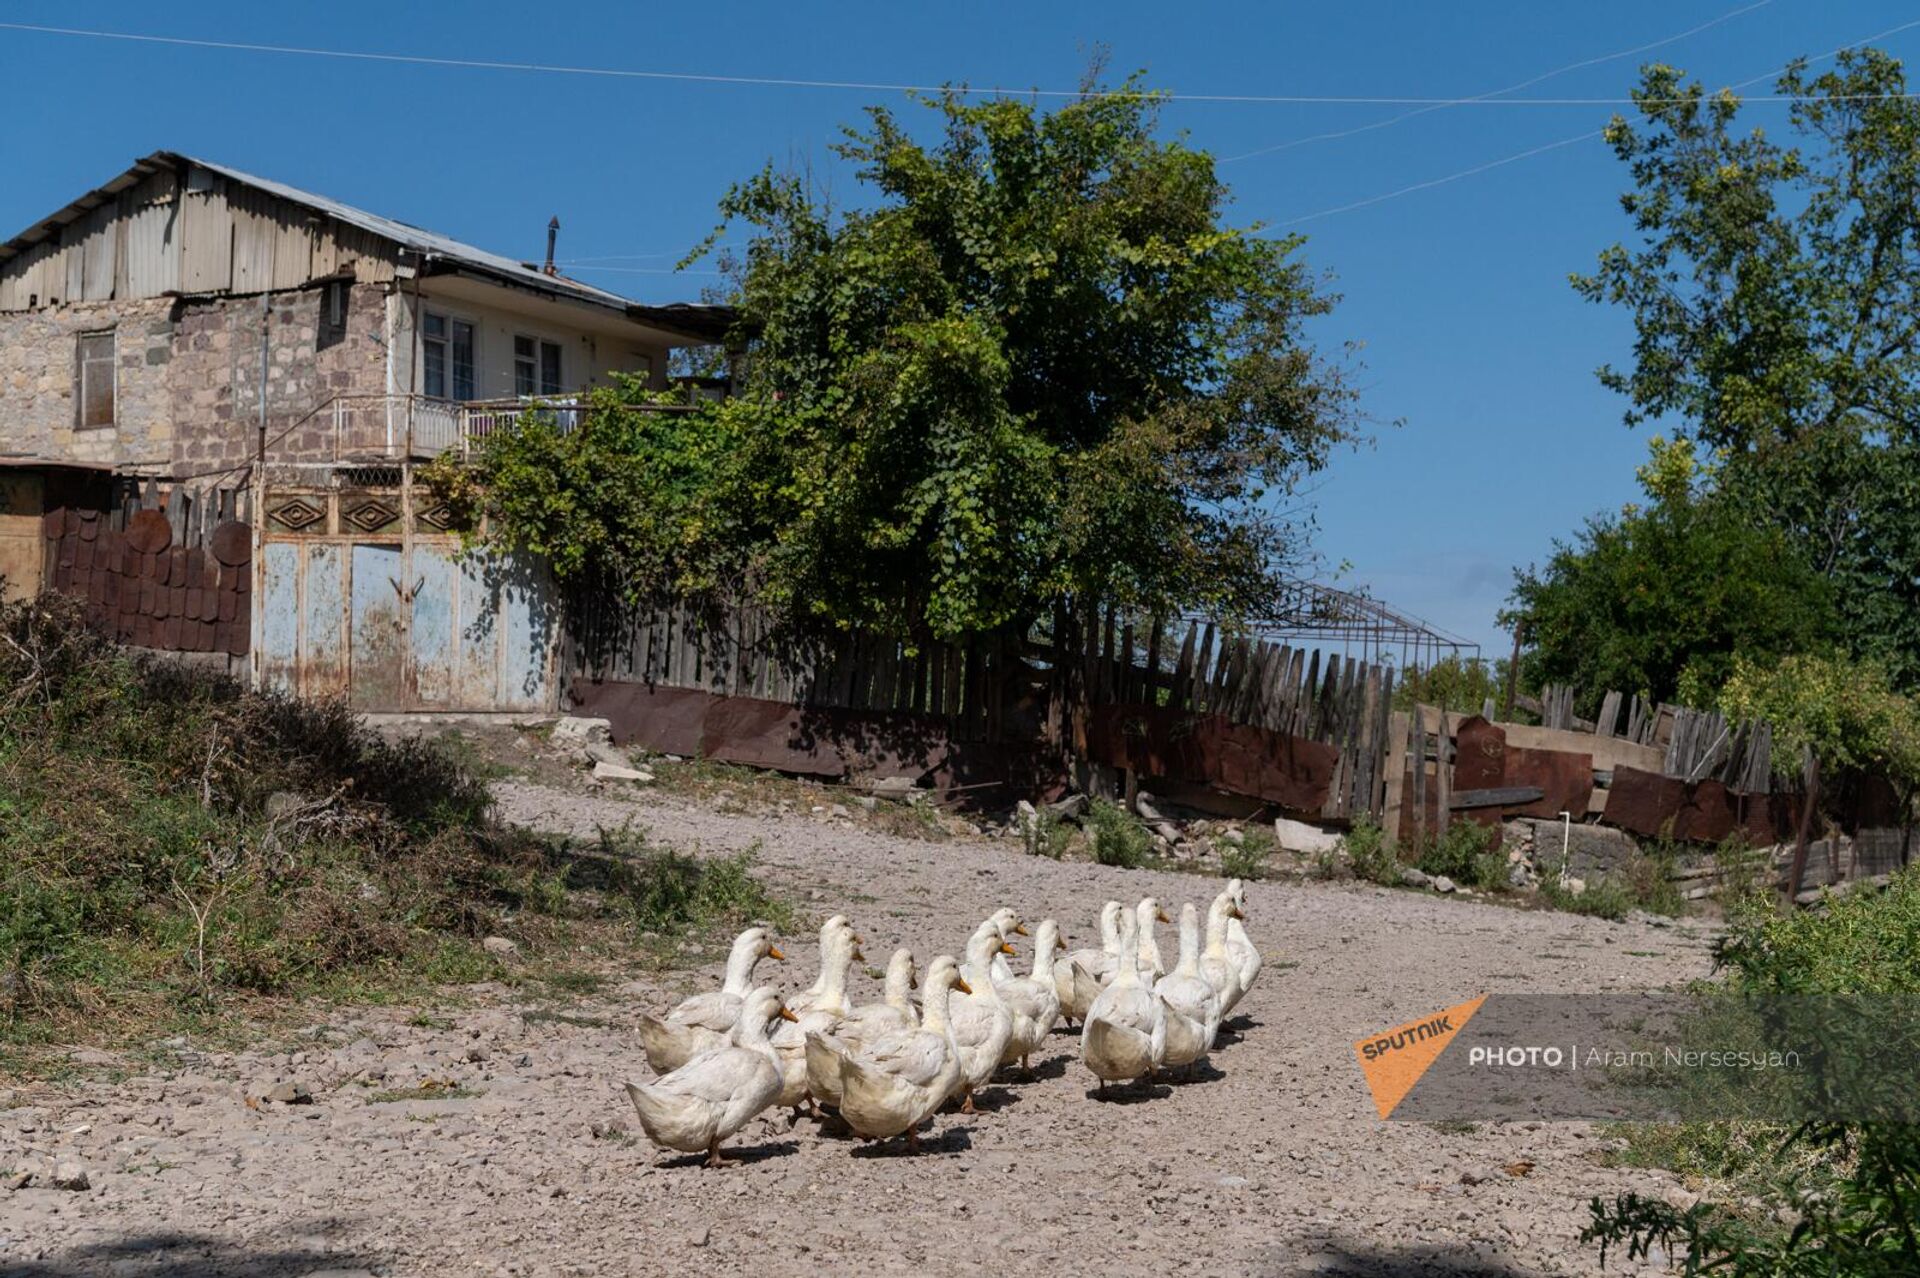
(740, 652)
(1106, 659)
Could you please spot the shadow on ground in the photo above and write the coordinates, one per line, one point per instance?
(183, 1255)
(1348, 1258)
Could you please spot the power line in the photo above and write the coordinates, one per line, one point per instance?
(1511, 88)
(1593, 133)
(1269, 99)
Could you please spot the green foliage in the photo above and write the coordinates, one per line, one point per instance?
(169, 840)
(1248, 858)
(1037, 364)
(1468, 853)
(1463, 684)
(1370, 854)
(1847, 712)
(1045, 834)
(1775, 292)
(1849, 1188)
(1118, 838)
(1603, 897)
(1651, 599)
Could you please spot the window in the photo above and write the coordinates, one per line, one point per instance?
(333, 315)
(446, 349)
(95, 361)
(536, 366)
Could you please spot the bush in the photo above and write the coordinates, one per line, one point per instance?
(169, 838)
(1045, 834)
(1848, 713)
(1118, 839)
(1468, 853)
(1247, 859)
(1847, 1189)
(1370, 854)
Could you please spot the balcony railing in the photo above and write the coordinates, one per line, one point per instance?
(392, 427)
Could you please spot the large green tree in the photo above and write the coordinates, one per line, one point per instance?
(1665, 598)
(1036, 364)
(1775, 294)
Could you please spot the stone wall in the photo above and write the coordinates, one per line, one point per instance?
(187, 393)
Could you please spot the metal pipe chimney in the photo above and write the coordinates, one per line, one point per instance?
(553, 236)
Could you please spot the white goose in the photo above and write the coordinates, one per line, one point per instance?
(1126, 1032)
(703, 1021)
(1081, 975)
(1216, 965)
(896, 1081)
(713, 1095)
(1034, 1001)
(1193, 1009)
(798, 1003)
(1148, 913)
(1007, 923)
(790, 1041)
(862, 1024)
(1240, 947)
(981, 1022)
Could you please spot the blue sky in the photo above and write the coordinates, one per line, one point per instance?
(1458, 291)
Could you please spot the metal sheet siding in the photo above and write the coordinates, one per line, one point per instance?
(378, 640)
(432, 626)
(280, 618)
(323, 665)
(526, 631)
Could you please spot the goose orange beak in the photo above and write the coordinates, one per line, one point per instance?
(1235, 912)
(858, 956)
(1020, 929)
(1160, 916)
(1007, 949)
(773, 952)
(960, 983)
(786, 1014)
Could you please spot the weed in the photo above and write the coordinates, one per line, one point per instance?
(1117, 837)
(1247, 859)
(1370, 854)
(1045, 834)
(1468, 853)
(1454, 1127)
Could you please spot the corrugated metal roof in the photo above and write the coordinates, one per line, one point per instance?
(708, 323)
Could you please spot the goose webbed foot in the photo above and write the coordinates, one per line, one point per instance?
(966, 1105)
(714, 1159)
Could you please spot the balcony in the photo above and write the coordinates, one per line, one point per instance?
(360, 428)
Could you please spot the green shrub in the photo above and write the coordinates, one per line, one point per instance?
(1469, 854)
(1248, 858)
(1045, 834)
(1117, 837)
(1370, 854)
(1847, 1191)
(168, 839)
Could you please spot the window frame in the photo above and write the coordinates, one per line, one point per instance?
(536, 383)
(452, 320)
(81, 362)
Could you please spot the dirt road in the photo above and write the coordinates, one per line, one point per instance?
(1276, 1165)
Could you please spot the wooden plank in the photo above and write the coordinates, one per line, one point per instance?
(1196, 700)
(1126, 692)
(1180, 693)
(1308, 718)
(1151, 691)
(1497, 797)
(1399, 728)
(1443, 782)
(1384, 755)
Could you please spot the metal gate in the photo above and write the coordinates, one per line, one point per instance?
(396, 621)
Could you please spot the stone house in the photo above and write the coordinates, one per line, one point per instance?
(188, 348)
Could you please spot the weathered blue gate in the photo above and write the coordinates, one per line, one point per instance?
(361, 597)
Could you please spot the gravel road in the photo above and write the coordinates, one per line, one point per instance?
(1274, 1165)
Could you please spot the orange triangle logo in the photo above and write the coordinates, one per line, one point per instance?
(1394, 1059)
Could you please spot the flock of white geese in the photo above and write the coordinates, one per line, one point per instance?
(886, 1067)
